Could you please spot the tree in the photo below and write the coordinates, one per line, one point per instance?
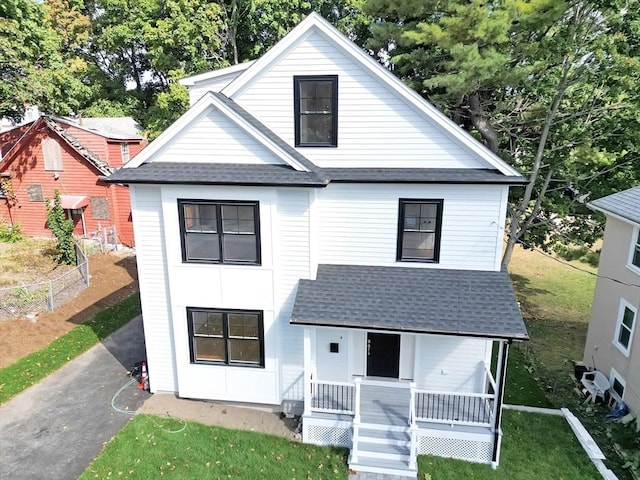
(62, 229)
(33, 65)
(533, 81)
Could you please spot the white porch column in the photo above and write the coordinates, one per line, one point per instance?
(307, 371)
(501, 377)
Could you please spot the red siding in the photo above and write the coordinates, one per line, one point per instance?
(77, 178)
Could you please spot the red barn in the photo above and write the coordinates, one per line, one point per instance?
(71, 156)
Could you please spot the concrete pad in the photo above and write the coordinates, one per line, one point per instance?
(57, 427)
(250, 417)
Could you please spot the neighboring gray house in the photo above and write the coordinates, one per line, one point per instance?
(315, 236)
(613, 341)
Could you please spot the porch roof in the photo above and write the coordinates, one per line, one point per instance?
(421, 300)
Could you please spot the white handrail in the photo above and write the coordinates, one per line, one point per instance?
(490, 376)
(412, 404)
(456, 394)
(356, 416)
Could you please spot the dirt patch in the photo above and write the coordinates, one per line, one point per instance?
(221, 414)
(112, 278)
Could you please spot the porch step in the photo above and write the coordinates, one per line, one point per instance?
(389, 467)
(383, 449)
(384, 436)
(394, 451)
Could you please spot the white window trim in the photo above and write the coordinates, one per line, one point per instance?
(632, 248)
(124, 152)
(624, 304)
(614, 375)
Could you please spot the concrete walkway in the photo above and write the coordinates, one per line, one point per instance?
(57, 427)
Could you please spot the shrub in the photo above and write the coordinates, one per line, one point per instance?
(62, 229)
(10, 233)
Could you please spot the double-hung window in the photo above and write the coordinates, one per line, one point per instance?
(635, 248)
(625, 327)
(618, 385)
(124, 152)
(220, 231)
(419, 229)
(228, 337)
(316, 110)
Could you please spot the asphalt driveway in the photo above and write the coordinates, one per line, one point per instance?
(57, 427)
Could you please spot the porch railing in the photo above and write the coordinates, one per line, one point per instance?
(453, 407)
(333, 397)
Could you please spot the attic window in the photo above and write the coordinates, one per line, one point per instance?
(124, 151)
(52, 155)
(316, 110)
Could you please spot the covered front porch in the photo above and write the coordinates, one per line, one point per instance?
(391, 389)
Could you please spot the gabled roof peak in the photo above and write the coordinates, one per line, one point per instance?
(314, 22)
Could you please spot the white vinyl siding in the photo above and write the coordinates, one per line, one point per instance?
(451, 364)
(376, 128)
(293, 262)
(221, 286)
(213, 138)
(358, 224)
(154, 288)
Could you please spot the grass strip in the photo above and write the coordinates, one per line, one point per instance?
(534, 446)
(145, 448)
(31, 369)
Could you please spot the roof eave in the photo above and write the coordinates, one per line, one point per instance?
(457, 333)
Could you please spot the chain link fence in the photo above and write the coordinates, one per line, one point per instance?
(104, 239)
(28, 300)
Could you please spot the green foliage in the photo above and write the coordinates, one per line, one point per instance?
(10, 233)
(168, 107)
(31, 369)
(39, 47)
(551, 86)
(62, 229)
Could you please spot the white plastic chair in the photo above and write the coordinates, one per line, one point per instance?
(595, 384)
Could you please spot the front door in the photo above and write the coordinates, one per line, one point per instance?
(383, 355)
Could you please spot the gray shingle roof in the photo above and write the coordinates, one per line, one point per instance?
(87, 154)
(423, 300)
(262, 128)
(420, 175)
(257, 174)
(215, 174)
(115, 128)
(625, 204)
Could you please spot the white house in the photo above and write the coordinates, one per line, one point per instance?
(315, 236)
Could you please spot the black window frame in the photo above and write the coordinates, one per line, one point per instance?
(297, 80)
(219, 230)
(227, 337)
(439, 203)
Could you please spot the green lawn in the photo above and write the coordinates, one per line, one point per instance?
(535, 447)
(31, 369)
(144, 449)
(556, 304)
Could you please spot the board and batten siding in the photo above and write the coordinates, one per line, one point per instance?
(376, 128)
(450, 363)
(358, 224)
(214, 138)
(293, 263)
(154, 287)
